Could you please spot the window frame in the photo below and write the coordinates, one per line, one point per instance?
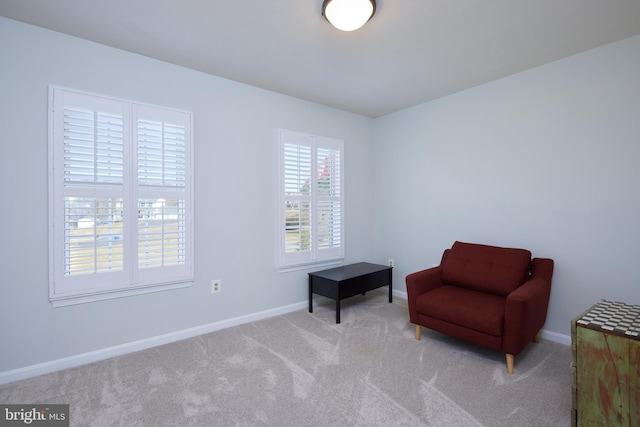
(315, 255)
(66, 288)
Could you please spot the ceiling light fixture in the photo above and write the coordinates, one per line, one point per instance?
(348, 15)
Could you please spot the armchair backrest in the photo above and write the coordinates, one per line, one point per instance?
(485, 268)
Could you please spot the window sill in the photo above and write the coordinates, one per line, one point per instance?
(307, 266)
(64, 301)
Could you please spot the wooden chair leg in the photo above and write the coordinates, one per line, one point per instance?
(536, 339)
(417, 332)
(509, 363)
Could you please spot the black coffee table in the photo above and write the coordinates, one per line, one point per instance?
(349, 280)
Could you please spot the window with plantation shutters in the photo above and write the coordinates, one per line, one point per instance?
(310, 220)
(119, 196)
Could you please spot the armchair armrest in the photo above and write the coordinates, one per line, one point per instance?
(419, 283)
(526, 309)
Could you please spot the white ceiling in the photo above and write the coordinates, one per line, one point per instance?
(411, 51)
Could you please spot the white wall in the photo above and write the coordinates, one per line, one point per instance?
(235, 203)
(548, 159)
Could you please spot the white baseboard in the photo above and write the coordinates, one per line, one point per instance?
(400, 294)
(119, 350)
(555, 337)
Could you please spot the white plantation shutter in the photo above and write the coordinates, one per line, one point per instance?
(119, 195)
(93, 147)
(87, 250)
(161, 160)
(311, 199)
(161, 154)
(86, 191)
(297, 191)
(328, 195)
(161, 232)
(93, 162)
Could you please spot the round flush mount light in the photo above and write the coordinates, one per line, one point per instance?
(348, 15)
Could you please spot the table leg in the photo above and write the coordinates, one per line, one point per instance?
(338, 311)
(390, 286)
(310, 293)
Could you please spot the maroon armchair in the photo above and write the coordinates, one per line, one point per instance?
(491, 296)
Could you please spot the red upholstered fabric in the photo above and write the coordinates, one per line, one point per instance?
(471, 309)
(486, 268)
(471, 335)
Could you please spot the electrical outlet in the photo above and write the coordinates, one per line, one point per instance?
(391, 262)
(215, 285)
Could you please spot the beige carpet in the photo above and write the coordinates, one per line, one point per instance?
(302, 369)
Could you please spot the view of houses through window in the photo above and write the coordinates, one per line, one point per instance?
(94, 234)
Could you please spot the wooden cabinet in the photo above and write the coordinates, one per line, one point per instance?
(605, 355)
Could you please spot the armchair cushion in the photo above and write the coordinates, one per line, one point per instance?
(475, 310)
(486, 268)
